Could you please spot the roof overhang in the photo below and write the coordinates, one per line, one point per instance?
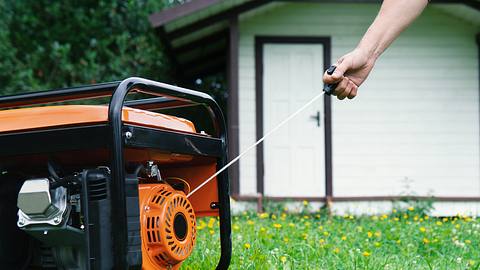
(196, 34)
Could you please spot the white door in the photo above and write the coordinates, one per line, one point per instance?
(294, 157)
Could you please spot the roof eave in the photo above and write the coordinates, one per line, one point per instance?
(165, 16)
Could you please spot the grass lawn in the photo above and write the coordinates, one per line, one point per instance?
(404, 239)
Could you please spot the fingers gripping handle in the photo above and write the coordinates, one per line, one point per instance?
(330, 87)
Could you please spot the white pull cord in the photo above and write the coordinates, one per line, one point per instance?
(256, 143)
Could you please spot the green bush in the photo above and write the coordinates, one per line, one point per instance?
(53, 44)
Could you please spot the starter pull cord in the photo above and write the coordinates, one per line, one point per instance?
(328, 89)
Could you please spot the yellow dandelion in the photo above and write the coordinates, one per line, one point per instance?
(306, 217)
(422, 229)
(344, 238)
(399, 241)
(202, 225)
(307, 224)
(277, 225)
(426, 217)
(283, 259)
(247, 245)
(369, 234)
(211, 222)
(320, 228)
(468, 241)
(471, 262)
(264, 215)
(426, 241)
(439, 223)
(457, 226)
(250, 222)
(321, 241)
(394, 211)
(411, 208)
(405, 216)
(366, 254)
(326, 233)
(274, 217)
(262, 229)
(336, 250)
(211, 232)
(396, 219)
(305, 203)
(415, 218)
(384, 216)
(236, 227)
(304, 236)
(445, 219)
(285, 239)
(377, 244)
(378, 234)
(291, 225)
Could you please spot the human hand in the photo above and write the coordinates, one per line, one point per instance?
(352, 70)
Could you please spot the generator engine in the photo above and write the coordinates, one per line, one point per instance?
(107, 186)
(69, 215)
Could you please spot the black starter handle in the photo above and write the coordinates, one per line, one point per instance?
(330, 87)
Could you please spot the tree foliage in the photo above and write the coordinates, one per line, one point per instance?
(52, 44)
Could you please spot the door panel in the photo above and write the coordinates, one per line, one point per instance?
(294, 156)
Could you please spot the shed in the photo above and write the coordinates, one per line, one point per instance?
(412, 131)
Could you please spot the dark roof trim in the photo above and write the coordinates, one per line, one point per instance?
(224, 15)
(170, 14)
(161, 18)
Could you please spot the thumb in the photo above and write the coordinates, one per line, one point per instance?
(342, 67)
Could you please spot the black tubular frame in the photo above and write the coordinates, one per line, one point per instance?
(167, 96)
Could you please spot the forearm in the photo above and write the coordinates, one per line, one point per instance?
(394, 16)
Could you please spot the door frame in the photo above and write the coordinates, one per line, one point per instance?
(260, 41)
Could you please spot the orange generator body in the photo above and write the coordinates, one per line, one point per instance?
(108, 186)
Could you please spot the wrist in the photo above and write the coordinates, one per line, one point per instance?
(370, 52)
(368, 56)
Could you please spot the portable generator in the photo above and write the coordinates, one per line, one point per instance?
(105, 186)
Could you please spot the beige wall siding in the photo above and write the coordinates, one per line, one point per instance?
(414, 127)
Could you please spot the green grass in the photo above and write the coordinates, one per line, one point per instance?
(402, 240)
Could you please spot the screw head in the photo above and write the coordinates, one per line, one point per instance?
(128, 135)
(57, 220)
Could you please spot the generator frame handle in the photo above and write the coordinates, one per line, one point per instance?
(115, 120)
(168, 96)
